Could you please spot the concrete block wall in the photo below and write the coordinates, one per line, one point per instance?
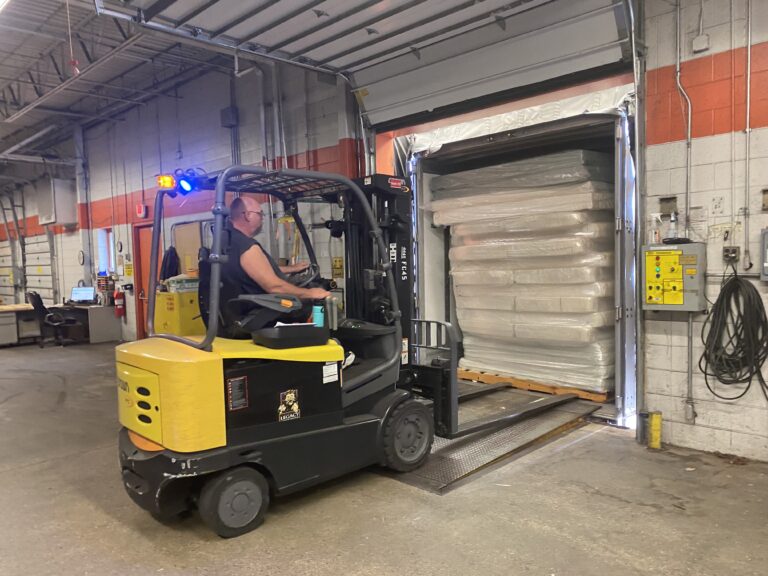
(716, 83)
(123, 158)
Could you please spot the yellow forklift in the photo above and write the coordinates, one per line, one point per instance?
(256, 408)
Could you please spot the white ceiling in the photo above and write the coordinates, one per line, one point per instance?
(137, 49)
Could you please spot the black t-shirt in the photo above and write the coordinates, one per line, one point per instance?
(236, 280)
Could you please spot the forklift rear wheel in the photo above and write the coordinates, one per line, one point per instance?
(234, 502)
(408, 435)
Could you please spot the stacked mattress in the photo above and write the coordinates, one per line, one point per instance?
(532, 266)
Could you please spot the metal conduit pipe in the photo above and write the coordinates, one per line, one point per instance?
(234, 131)
(690, 408)
(748, 130)
(275, 120)
(280, 113)
(366, 149)
(265, 149)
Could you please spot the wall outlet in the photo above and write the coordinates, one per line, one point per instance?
(717, 205)
(731, 253)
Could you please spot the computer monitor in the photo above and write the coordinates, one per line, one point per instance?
(83, 294)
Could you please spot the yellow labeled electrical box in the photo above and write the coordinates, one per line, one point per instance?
(673, 277)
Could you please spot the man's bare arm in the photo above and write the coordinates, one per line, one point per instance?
(256, 265)
(293, 268)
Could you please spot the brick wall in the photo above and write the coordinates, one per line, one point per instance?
(716, 83)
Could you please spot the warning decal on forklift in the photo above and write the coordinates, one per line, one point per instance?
(330, 372)
(237, 393)
(289, 406)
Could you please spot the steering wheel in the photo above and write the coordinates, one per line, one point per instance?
(301, 279)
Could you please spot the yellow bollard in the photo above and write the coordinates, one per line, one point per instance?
(654, 430)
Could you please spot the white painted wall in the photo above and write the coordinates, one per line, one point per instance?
(125, 156)
(738, 427)
(181, 133)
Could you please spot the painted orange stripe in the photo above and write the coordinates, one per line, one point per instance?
(716, 85)
(121, 209)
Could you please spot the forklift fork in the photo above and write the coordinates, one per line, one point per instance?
(432, 373)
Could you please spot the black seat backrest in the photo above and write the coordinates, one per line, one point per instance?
(204, 286)
(37, 303)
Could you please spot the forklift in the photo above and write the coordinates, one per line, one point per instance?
(257, 408)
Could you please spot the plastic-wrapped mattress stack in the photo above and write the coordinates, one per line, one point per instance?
(532, 266)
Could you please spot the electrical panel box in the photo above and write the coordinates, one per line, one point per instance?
(764, 255)
(57, 202)
(674, 277)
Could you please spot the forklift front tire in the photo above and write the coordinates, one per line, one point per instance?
(408, 434)
(234, 502)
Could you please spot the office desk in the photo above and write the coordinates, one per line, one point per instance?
(18, 322)
(101, 322)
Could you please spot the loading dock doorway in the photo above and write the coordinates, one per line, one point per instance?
(604, 133)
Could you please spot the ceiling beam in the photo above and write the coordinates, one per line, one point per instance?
(223, 45)
(38, 86)
(154, 9)
(109, 85)
(239, 20)
(70, 81)
(421, 38)
(282, 20)
(37, 159)
(29, 140)
(195, 13)
(370, 22)
(323, 24)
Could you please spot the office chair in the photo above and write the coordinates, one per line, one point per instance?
(61, 325)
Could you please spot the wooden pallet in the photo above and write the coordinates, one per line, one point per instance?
(488, 378)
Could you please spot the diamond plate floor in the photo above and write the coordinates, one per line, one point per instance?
(454, 460)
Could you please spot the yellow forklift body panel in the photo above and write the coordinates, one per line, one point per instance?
(138, 401)
(226, 348)
(189, 402)
(173, 394)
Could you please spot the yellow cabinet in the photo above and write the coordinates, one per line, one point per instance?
(178, 313)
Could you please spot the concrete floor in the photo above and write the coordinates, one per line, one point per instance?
(591, 503)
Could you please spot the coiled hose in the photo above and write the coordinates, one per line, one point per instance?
(735, 337)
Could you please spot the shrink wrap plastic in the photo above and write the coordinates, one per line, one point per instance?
(550, 170)
(510, 203)
(532, 267)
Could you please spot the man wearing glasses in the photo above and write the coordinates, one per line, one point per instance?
(249, 267)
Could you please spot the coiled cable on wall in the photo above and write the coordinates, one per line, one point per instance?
(735, 336)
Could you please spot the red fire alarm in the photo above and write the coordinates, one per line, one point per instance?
(141, 210)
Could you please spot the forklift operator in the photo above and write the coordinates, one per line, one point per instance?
(250, 267)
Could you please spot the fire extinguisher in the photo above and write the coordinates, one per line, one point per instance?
(119, 297)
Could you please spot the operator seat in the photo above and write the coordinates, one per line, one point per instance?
(243, 316)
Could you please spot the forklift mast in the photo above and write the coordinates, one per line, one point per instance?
(391, 202)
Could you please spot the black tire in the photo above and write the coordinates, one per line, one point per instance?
(408, 435)
(169, 519)
(234, 502)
